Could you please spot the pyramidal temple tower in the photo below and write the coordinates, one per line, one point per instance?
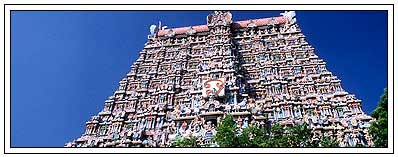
(260, 71)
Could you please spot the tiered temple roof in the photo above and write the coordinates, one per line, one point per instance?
(235, 25)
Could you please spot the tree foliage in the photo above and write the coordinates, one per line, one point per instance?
(379, 128)
(226, 133)
(186, 142)
(299, 136)
(252, 137)
(328, 142)
(229, 135)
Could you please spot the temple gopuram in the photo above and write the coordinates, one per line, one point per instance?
(260, 71)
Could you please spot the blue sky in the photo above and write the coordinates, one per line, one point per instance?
(64, 64)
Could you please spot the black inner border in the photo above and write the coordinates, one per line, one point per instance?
(4, 7)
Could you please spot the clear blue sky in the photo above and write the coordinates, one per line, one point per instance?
(65, 64)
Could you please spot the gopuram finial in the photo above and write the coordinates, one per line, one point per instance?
(291, 16)
(152, 29)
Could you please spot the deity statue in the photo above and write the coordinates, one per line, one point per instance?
(242, 104)
(159, 123)
(245, 122)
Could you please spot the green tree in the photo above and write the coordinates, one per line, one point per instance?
(296, 136)
(227, 133)
(252, 136)
(379, 128)
(186, 142)
(299, 136)
(329, 142)
(278, 136)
